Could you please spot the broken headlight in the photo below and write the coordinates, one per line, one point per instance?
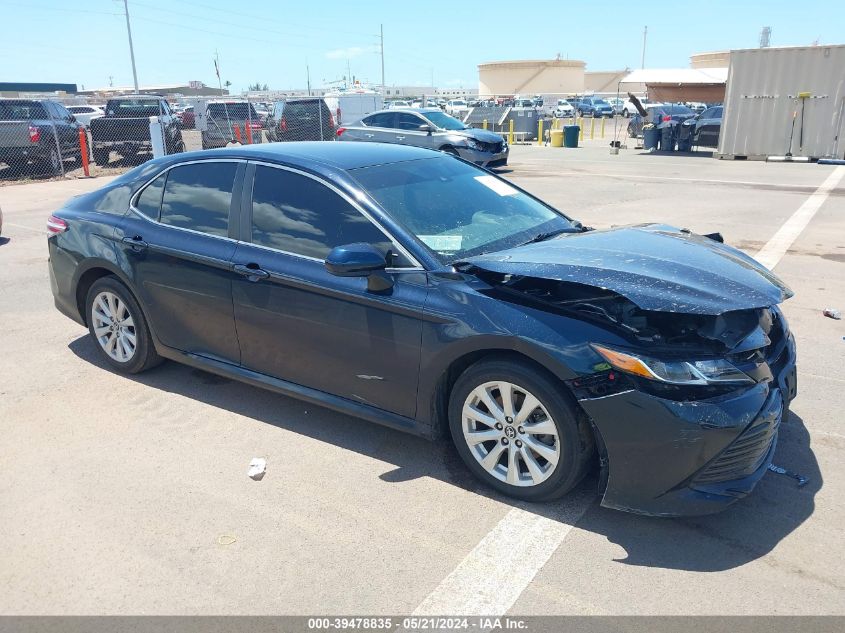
(716, 371)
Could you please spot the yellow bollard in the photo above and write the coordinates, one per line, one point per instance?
(602, 127)
(592, 128)
(484, 124)
(510, 132)
(540, 132)
(581, 128)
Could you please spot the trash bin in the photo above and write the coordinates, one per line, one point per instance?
(685, 131)
(651, 137)
(570, 135)
(667, 138)
(557, 138)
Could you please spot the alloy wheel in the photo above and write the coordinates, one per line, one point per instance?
(114, 327)
(510, 433)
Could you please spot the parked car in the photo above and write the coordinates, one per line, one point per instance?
(456, 106)
(187, 118)
(696, 106)
(433, 129)
(306, 119)
(659, 114)
(225, 117)
(397, 104)
(84, 113)
(708, 125)
(617, 104)
(563, 109)
(125, 127)
(37, 134)
(595, 107)
(631, 109)
(418, 291)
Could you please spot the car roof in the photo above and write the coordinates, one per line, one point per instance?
(314, 154)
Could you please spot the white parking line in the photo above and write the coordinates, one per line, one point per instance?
(780, 242)
(494, 574)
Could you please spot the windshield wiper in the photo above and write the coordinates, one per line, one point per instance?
(542, 237)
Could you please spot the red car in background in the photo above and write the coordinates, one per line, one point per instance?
(186, 118)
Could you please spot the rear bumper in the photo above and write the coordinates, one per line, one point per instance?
(672, 458)
(20, 154)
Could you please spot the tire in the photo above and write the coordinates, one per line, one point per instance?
(626, 114)
(569, 447)
(106, 297)
(101, 157)
(53, 163)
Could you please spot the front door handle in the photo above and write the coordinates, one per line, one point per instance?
(369, 135)
(136, 243)
(400, 138)
(253, 272)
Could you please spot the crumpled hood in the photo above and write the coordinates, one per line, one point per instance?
(657, 267)
(485, 136)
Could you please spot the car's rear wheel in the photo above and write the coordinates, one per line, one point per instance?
(117, 324)
(517, 432)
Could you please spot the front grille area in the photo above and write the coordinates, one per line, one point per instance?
(494, 148)
(748, 451)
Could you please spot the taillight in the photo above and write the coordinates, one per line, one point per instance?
(56, 225)
(340, 131)
(34, 134)
(331, 119)
(283, 124)
(255, 125)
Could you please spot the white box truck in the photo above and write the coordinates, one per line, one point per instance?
(348, 106)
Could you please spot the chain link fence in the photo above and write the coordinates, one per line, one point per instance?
(75, 135)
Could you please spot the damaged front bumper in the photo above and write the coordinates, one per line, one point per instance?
(683, 458)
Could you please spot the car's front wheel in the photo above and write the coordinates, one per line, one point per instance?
(117, 324)
(516, 431)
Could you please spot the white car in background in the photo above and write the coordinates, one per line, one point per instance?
(84, 113)
(456, 106)
(563, 109)
(397, 104)
(630, 110)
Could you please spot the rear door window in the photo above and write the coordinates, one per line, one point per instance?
(300, 215)
(199, 196)
(382, 119)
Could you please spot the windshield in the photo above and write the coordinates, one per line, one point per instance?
(444, 121)
(676, 109)
(600, 102)
(456, 209)
(132, 108)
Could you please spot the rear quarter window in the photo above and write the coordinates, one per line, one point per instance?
(198, 197)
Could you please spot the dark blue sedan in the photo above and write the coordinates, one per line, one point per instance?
(416, 290)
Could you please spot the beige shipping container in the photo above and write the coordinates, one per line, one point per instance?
(762, 95)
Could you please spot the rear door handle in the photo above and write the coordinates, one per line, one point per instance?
(136, 243)
(253, 272)
(400, 138)
(369, 135)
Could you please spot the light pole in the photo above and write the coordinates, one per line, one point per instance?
(645, 34)
(131, 48)
(381, 30)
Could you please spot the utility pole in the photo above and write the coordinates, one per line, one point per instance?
(645, 35)
(348, 74)
(381, 31)
(308, 78)
(131, 48)
(217, 70)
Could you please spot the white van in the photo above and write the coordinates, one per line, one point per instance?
(348, 106)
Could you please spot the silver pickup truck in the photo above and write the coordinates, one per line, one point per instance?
(37, 135)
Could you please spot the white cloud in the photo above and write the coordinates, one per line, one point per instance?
(350, 52)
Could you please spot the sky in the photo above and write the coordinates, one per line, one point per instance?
(274, 41)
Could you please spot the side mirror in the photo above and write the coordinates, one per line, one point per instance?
(355, 260)
(425, 128)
